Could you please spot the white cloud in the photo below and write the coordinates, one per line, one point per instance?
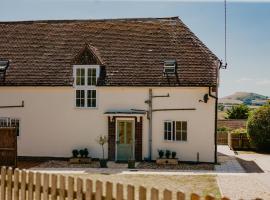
(244, 79)
(263, 82)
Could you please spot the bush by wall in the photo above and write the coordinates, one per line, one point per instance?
(258, 128)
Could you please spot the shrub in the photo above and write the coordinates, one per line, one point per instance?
(81, 153)
(223, 128)
(168, 153)
(258, 128)
(75, 153)
(238, 112)
(86, 152)
(239, 131)
(173, 154)
(160, 153)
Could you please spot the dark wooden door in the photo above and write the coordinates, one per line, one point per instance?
(8, 146)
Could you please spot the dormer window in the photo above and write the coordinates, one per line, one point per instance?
(3, 67)
(85, 81)
(169, 67)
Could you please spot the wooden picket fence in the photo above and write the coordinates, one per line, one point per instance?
(21, 185)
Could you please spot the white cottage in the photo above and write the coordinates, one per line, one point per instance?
(147, 84)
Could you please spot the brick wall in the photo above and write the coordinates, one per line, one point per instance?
(232, 123)
(138, 139)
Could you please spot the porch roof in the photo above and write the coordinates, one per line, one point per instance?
(126, 112)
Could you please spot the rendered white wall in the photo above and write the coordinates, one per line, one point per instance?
(52, 126)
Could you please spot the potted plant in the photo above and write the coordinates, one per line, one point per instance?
(102, 140)
(85, 152)
(131, 160)
(168, 154)
(160, 153)
(81, 152)
(75, 153)
(173, 154)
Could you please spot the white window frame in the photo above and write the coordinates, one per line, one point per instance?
(173, 132)
(167, 66)
(85, 87)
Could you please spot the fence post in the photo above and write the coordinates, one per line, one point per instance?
(62, 192)
(109, 190)
(142, 193)
(70, 188)
(3, 183)
(180, 196)
(46, 186)
(89, 190)
(38, 186)
(54, 187)
(30, 185)
(98, 193)
(167, 195)
(23, 185)
(16, 184)
(119, 192)
(131, 192)
(79, 189)
(154, 194)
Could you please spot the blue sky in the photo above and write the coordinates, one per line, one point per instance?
(248, 29)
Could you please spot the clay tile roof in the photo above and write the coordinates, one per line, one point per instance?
(132, 52)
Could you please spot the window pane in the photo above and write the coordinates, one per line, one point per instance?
(91, 98)
(184, 136)
(80, 76)
(165, 130)
(91, 76)
(178, 135)
(184, 126)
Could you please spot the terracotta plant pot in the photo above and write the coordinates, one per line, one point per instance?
(103, 163)
(131, 164)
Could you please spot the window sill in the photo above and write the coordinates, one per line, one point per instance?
(86, 108)
(175, 141)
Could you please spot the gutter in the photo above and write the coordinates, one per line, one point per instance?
(216, 115)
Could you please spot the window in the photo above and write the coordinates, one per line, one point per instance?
(175, 130)
(169, 66)
(85, 85)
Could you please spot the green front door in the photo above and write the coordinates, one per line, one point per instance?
(124, 141)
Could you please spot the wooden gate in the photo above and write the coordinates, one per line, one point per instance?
(8, 146)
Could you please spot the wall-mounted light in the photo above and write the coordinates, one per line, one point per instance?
(205, 98)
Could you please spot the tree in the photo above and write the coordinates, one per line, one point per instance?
(258, 128)
(238, 112)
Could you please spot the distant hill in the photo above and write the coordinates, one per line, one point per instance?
(245, 97)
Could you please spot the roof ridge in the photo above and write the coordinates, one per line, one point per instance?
(90, 20)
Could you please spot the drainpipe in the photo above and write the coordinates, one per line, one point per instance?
(216, 114)
(150, 116)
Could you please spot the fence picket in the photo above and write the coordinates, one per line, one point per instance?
(142, 193)
(209, 197)
(225, 198)
(98, 194)
(46, 186)
(3, 183)
(30, 185)
(79, 189)
(62, 193)
(54, 187)
(180, 196)
(9, 183)
(154, 194)
(167, 195)
(16, 184)
(38, 186)
(70, 188)
(119, 192)
(23, 185)
(89, 189)
(109, 191)
(194, 196)
(131, 192)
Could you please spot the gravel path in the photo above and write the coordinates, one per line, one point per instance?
(245, 186)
